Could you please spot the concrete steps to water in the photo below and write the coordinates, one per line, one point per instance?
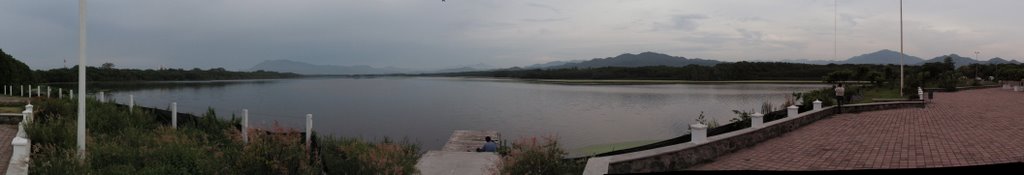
(459, 156)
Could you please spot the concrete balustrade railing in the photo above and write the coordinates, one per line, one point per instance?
(757, 120)
(698, 133)
(791, 111)
(21, 145)
(702, 148)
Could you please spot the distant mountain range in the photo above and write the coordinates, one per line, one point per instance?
(892, 57)
(623, 60)
(311, 69)
(963, 61)
(884, 56)
(466, 68)
(628, 60)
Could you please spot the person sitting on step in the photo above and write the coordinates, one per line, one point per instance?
(489, 146)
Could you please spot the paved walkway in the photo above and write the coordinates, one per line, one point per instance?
(7, 133)
(970, 127)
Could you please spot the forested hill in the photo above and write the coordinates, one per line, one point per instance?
(13, 71)
(721, 71)
(111, 74)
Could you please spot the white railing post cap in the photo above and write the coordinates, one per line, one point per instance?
(698, 126)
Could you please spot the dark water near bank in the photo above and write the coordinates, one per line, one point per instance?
(426, 110)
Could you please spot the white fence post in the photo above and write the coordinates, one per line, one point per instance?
(698, 133)
(21, 91)
(60, 93)
(48, 91)
(309, 130)
(39, 90)
(757, 120)
(131, 103)
(174, 115)
(792, 111)
(101, 97)
(245, 126)
(817, 104)
(71, 93)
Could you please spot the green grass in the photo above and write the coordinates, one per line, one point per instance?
(119, 142)
(11, 109)
(603, 148)
(879, 93)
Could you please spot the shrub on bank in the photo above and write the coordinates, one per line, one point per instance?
(528, 156)
(354, 156)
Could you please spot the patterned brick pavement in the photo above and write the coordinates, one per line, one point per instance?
(7, 133)
(970, 127)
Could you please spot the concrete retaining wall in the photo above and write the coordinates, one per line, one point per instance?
(685, 155)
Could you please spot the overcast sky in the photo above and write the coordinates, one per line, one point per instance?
(429, 34)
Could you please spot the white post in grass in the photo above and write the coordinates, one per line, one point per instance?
(245, 126)
(60, 93)
(174, 115)
(81, 79)
(309, 130)
(131, 103)
(39, 90)
(102, 97)
(698, 133)
(792, 111)
(21, 91)
(817, 105)
(48, 91)
(757, 120)
(71, 93)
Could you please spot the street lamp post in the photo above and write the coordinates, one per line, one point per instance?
(976, 53)
(901, 48)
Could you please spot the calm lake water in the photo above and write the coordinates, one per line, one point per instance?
(427, 110)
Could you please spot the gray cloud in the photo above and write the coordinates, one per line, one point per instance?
(547, 7)
(687, 22)
(237, 34)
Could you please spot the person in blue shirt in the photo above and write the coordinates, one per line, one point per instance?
(489, 146)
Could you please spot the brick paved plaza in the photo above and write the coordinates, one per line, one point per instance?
(970, 127)
(7, 132)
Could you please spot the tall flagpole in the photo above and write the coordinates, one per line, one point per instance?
(81, 79)
(835, 26)
(901, 48)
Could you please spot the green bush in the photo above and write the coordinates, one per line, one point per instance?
(530, 157)
(355, 156)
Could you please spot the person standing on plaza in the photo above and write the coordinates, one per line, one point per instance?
(840, 93)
